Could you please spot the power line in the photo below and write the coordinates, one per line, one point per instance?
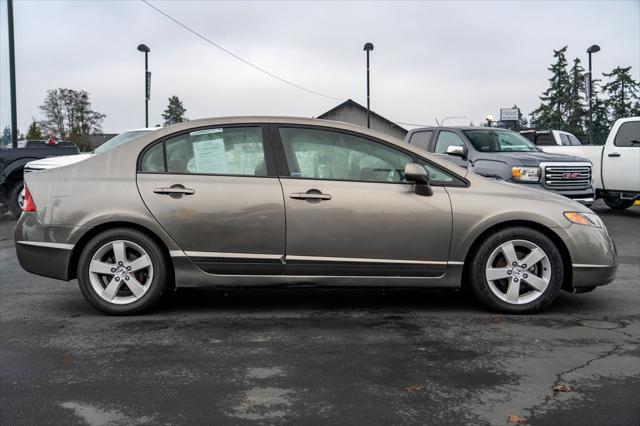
(270, 74)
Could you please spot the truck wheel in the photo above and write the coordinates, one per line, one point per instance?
(15, 198)
(517, 270)
(618, 203)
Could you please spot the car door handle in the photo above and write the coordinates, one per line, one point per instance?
(614, 154)
(174, 191)
(309, 196)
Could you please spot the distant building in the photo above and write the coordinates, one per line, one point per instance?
(354, 113)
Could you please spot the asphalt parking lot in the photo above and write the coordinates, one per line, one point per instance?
(321, 356)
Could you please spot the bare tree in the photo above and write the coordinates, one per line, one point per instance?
(68, 113)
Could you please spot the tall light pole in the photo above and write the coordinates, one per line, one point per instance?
(12, 77)
(593, 49)
(368, 47)
(147, 82)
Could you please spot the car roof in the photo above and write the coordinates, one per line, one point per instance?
(456, 128)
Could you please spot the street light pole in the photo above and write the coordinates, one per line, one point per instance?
(12, 76)
(147, 82)
(593, 49)
(368, 47)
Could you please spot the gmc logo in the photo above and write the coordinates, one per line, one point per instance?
(571, 175)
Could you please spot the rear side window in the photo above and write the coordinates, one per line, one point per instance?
(628, 135)
(544, 139)
(421, 139)
(217, 151)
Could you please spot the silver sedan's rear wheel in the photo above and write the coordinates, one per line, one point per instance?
(123, 271)
(517, 270)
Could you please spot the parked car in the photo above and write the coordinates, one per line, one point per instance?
(616, 164)
(51, 162)
(506, 155)
(203, 203)
(12, 162)
(545, 137)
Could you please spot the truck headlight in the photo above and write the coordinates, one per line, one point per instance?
(526, 174)
(590, 219)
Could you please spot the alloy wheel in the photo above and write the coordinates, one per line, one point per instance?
(518, 272)
(21, 198)
(121, 272)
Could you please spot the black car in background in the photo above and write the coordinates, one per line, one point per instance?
(12, 161)
(506, 155)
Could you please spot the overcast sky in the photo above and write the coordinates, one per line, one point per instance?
(431, 59)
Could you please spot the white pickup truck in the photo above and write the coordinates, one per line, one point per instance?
(616, 165)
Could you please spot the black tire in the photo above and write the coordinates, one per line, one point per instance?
(479, 282)
(618, 203)
(158, 284)
(12, 198)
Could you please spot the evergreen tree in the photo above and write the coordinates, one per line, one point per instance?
(553, 109)
(576, 111)
(175, 112)
(34, 132)
(622, 93)
(601, 121)
(6, 136)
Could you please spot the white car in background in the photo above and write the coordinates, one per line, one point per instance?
(616, 165)
(53, 162)
(545, 138)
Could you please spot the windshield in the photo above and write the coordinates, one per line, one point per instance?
(120, 139)
(499, 141)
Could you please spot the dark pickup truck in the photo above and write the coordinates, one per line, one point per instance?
(506, 155)
(12, 161)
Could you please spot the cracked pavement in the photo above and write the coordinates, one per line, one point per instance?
(321, 356)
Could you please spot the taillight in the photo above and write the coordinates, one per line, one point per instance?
(29, 204)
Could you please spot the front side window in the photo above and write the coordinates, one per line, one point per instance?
(574, 141)
(447, 139)
(565, 140)
(628, 135)
(322, 154)
(218, 151)
(499, 141)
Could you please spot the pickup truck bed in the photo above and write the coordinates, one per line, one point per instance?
(12, 161)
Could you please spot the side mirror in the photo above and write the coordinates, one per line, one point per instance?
(416, 173)
(458, 151)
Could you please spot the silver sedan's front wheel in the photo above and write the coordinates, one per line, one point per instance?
(517, 270)
(123, 271)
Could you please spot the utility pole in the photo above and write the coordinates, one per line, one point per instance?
(147, 82)
(368, 47)
(12, 76)
(593, 49)
(623, 105)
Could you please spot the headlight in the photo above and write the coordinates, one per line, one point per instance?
(526, 174)
(590, 219)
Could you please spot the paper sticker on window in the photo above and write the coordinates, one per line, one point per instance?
(209, 156)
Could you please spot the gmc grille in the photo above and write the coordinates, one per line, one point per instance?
(563, 177)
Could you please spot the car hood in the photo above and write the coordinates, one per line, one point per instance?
(53, 162)
(535, 158)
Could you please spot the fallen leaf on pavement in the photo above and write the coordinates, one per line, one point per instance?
(414, 388)
(562, 388)
(518, 420)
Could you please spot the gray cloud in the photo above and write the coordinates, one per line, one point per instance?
(430, 59)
